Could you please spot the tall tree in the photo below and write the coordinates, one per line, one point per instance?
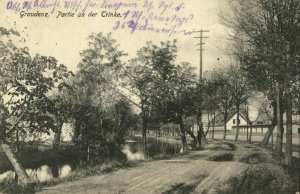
(212, 84)
(60, 109)
(223, 96)
(25, 83)
(93, 88)
(177, 99)
(146, 73)
(239, 90)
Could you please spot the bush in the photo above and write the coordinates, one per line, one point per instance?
(258, 179)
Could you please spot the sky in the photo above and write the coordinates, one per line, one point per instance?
(65, 38)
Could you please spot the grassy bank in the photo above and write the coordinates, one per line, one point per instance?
(107, 167)
(33, 158)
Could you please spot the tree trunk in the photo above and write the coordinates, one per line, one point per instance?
(208, 127)
(17, 140)
(237, 122)
(55, 167)
(182, 134)
(23, 178)
(278, 145)
(121, 134)
(289, 131)
(248, 121)
(158, 130)
(289, 119)
(213, 129)
(57, 136)
(247, 131)
(207, 130)
(199, 123)
(250, 135)
(201, 135)
(203, 139)
(144, 133)
(225, 127)
(192, 136)
(269, 132)
(271, 126)
(76, 130)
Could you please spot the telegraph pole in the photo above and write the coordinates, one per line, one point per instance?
(201, 43)
(200, 132)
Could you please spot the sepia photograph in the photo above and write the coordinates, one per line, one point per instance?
(150, 96)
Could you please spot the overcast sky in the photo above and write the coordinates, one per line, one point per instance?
(64, 38)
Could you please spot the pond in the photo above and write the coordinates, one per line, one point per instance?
(59, 167)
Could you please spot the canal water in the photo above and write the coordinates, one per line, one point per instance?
(133, 149)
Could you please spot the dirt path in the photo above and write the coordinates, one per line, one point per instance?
(148, 177)
(197, 172)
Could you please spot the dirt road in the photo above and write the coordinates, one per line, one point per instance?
(148, 177)
(199, 171)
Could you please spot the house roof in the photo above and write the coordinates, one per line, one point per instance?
(241, 115)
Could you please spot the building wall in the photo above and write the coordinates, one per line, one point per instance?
(263, 129)
(295, 128)
(233, 121)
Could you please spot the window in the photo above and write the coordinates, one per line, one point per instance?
(233, 121)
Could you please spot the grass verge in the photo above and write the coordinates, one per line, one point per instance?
(107, 167)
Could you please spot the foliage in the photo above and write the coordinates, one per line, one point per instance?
(101, 112)
(267, 43)
(178, 93)
(223, 95)
(25, 85)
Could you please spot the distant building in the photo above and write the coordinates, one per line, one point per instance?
(261, 125)
(219, 124)
(233, 121)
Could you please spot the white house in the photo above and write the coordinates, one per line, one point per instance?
(232, 121)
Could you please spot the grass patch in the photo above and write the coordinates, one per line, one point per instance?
(180, 188)
(222, 157)
(253, 158)
(252, 154)
(185, 188)
(11, 187)
(257, 179)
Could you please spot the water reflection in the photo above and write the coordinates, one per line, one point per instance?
(7, 175)
(41, 174)
(132, 156)
(155, 147)
(133, 150)
(64, 171)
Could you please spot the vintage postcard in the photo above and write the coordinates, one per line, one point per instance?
(149, 96)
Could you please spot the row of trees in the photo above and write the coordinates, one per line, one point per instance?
(107, 97)
(226, 90)
(264, 47)
(104, 99)
(267, 44)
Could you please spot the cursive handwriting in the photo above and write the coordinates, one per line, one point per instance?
(159, 16)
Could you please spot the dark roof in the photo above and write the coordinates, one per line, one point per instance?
(241, 115)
